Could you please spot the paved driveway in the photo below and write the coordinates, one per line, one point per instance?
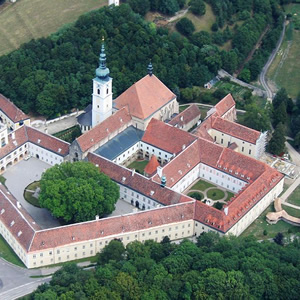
(17, 179)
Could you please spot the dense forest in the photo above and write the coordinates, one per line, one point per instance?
(52, 75)
(213, 268)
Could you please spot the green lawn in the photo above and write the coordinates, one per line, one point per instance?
(2, 180)
(229, 196)
(292, 211)
(260, 224)
(294, 198)
(284, 70)
(8, 254)
(201, 185)
(28, 196)
(215, 194)
(69, 135)
(138, 166)
(31, 19)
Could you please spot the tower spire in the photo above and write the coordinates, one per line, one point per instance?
(102, 71)
(150, 69)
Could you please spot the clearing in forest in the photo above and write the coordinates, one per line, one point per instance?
(30, 19)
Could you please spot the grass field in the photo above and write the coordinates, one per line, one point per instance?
(8, 254)
(215, 194)
(28, 195)
(292, 211)
(138, 166)
(202, 185)
(284, 71)
(30, 19)
(260, 224)
(294, 198)
(229, 196)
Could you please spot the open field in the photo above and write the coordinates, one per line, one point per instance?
(8, 254)
(284, 71)
(260, 224)
(30, 19)
(294, 198)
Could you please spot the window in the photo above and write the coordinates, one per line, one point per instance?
(83, 247)
(221, 141)
(41, 254)
(242, 149)
(215, 138)
(250, 152)
(58, 251)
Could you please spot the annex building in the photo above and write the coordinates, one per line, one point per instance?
(144, 122)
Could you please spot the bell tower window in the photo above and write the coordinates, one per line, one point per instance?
(107, 91)
(98, 91)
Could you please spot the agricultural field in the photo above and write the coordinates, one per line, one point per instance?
(284, 71)
(31, 19)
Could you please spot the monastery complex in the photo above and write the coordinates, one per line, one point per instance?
(142, 123)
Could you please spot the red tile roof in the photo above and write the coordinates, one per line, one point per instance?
(47, 141)
(186, 116)
(236, 130)
(104, 129)
(12, 112)
(224, 105)
(167, 137)
(56, 237)
(145, 97)
(17, 221)
(20, 139)
(136, 181)
(152, 165)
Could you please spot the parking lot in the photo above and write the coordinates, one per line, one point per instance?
(18, 177)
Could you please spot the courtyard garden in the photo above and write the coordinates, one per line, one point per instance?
(210, 194)
(138, 165)
(31, 193)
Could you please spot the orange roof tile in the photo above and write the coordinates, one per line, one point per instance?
(167, 137)
(236, 130)
(151, 166)
(224, 105)
(104, 129)
(12, 111)
(186, 116)
(145, 97)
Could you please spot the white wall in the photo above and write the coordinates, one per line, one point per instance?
(47, 156)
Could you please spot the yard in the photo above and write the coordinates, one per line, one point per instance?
(292, 211)
(215, 194)
(201, 185)
(30, 19)
(138, 165)
(260, 224)
(284, 71)
(8, 254)
(294, 198)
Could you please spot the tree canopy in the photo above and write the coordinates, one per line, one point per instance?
(214, 268)
(77, 192)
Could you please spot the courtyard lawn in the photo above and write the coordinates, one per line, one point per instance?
(2, 180)
(139, 166)
(28, 195)
(260, 224)
(8, 254)
(229, 196)
(201, 185)
(294, 198)
(215, 194)
(31, 19)
(292, 211)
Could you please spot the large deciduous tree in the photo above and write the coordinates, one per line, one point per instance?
(77, 192)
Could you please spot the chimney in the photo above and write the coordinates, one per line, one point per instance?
(133, 172)
(159, 171)
(13, 135)
(18, 204)
(163, 181)
(97, 218)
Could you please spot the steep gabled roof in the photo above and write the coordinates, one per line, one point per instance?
(167, 137)
(104, 129)
(186, 116)
(12, 111)
(224, 105)
(152, 166)
(145, 97)
(236, 130)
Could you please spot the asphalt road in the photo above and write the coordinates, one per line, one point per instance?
(262, 76)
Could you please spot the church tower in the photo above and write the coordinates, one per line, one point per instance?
(102, 91)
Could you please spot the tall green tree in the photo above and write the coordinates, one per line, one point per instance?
(77, 192)
(256, 118)
(197, 7)
(277, 143)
